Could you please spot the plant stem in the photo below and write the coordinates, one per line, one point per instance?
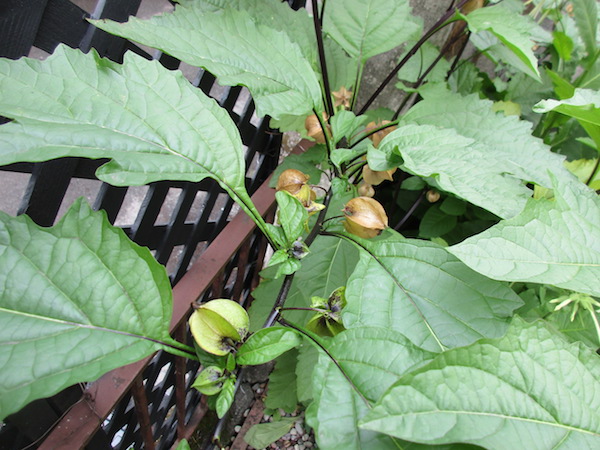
(355, 88)
(371, 132)
(304, 309)
(421, 79)
(322, 14)
(411, 210)
(594, 172)
(177, 352)
(280, 301)
(326, 86)
(441, 23)
(316, 342)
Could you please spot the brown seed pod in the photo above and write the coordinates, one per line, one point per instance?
(313, 128)
(376, 177)
(365, 217)
(365, 189)
(291, 180)
(379, 135)
(432, 196)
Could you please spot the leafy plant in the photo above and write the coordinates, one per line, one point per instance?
(437, 313)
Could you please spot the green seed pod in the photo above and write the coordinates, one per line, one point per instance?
(210, 381)
(219, 324)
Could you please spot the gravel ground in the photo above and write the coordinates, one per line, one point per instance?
(298, 437)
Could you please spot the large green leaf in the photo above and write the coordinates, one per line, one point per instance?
(417, 288)
(365, 28)
(475, 153)
(530, 389)
(238, 50)
(282, 391)
(373, 358)
(272, 13)
(326, 268)
(552, 241)
(514, 30)
(76, 301)
(586, 18)
(151, 122)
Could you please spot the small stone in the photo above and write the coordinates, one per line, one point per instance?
(247, 412)
(305, 437)
(299, 428)
(237, 428)
(265, 418)
(296, 447)
(259, 390)
(293, 431)
(308, 444)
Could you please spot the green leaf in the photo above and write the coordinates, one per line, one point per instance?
(272, 13)
(472, 143)
(392, 288)
(76, 300)
(183, 445)
(436, 223)
(266, 345)
(264, 434)
(292, 216)
(366, 28)
(225, 398)
(280, 264)
(340, 67)
(373, 358)
(345, 124)
(453, 206)
(456, 163)
(152, 123)
(308, 355)
(584, 106)
(238, 50)
(586, 19)
(326, 268)
(530, 388)
(282, 383)
(555, 242)
(514, 30)
(563, 44)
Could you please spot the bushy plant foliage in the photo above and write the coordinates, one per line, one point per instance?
(441, 288)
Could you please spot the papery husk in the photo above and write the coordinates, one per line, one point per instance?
(376, 177)
(291, 180)
(379, 135)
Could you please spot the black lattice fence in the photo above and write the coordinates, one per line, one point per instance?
(176, 220)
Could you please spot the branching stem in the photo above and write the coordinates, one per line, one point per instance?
(319, 33)
(441, 23)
